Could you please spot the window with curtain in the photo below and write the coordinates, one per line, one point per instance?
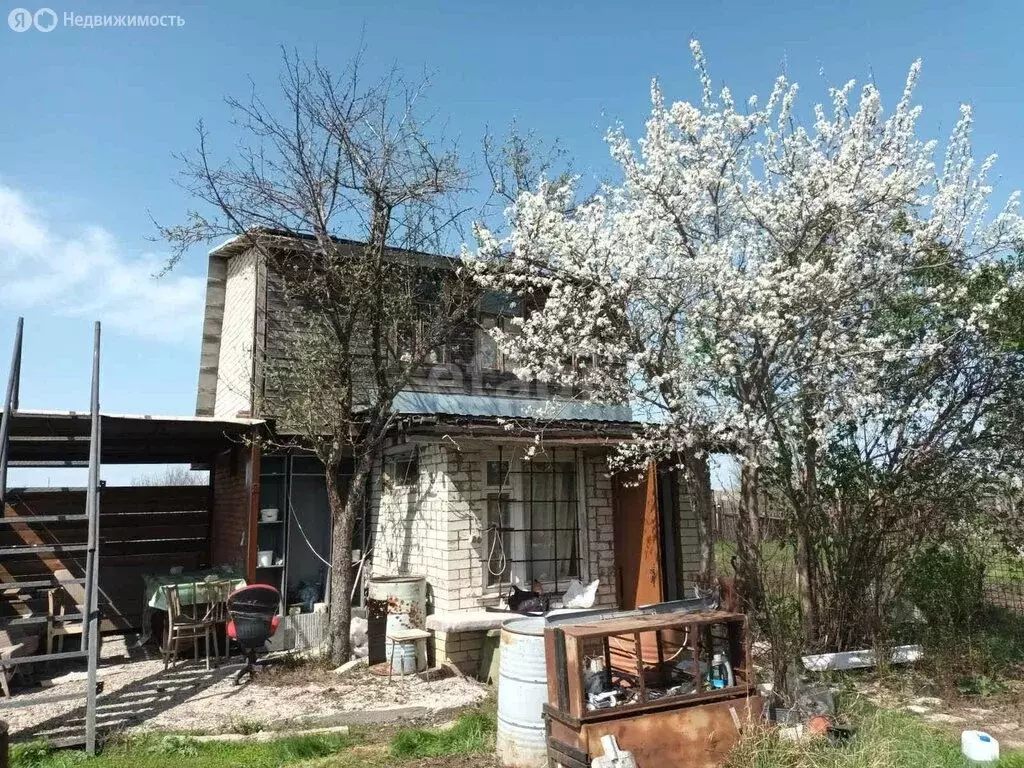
(532, 513)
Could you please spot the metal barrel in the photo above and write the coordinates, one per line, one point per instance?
(522, 694)
(405, 657)
(393, 603)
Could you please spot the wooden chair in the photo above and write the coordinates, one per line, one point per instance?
(216, 594)
(188, 622)
(60, 601)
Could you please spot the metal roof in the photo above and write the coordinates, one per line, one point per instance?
(63, 437)
(436, 403)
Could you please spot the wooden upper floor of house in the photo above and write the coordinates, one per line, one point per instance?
(248, 319)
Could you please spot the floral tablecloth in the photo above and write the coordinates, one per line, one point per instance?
(154, 599)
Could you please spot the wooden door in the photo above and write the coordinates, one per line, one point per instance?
(638, 542)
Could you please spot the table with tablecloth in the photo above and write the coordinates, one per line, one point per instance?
(155, 599)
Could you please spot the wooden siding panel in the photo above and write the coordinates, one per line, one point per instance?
(142, 529)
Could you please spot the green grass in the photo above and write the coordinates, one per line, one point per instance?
(470, 737)
(1004, 571)
(884, 739)
(472, 733)
(778, 557)
(172, 751)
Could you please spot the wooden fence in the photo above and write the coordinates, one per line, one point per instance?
(142, 529)
(726, 513)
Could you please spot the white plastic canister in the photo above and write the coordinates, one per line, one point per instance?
(979, 747)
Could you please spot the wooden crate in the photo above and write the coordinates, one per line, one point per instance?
(648, 655)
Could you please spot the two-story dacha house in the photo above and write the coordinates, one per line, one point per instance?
(457, 497)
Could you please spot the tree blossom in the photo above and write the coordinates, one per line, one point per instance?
(766, 285)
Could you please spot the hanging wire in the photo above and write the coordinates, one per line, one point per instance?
(298, 524)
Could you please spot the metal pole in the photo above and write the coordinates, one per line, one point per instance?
(9, 405)
(16, 397)
(92, 560)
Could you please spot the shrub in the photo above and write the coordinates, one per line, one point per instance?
(246, 726)
(946, 584)
(31, 754)
(174, 744)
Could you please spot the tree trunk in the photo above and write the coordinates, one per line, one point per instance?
(345, 509)
(805, 545)
(805, 579)
(698, 485)
(748, 535)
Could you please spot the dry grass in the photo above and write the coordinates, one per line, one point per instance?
(884, 739)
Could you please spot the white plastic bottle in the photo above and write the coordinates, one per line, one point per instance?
(613, 757)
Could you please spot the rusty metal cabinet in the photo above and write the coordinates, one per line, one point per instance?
(669, 710)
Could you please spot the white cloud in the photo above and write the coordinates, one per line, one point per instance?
(85, 274)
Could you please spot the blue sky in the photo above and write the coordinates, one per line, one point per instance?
(93, 117)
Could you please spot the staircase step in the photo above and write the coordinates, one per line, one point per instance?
(46, 464)
(39, 584)
(30, 549)
(29, 519)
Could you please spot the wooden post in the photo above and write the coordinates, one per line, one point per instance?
(640, 666)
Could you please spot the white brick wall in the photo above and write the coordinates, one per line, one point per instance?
(600, 529)
(689, 543)
(234, 368)
(410, 522)
(437, 529)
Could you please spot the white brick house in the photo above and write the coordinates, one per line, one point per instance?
(456, 498)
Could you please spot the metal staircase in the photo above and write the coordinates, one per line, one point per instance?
(13, 518)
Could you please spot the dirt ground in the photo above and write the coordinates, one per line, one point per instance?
(1000, 714)
(139, 695)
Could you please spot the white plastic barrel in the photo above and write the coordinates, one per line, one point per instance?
(522, 694)
(979, 747)
(394, 603)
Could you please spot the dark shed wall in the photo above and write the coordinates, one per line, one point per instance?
(142, 529)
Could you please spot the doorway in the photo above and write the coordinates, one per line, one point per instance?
(638, 551)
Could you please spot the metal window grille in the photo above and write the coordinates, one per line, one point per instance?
(532, 509)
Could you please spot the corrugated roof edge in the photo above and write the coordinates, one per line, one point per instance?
(433, 403)
(46, 413)
(241, 243)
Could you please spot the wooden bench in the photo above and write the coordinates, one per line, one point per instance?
(12, 647)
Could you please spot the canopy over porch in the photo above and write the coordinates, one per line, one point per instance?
(61, 438)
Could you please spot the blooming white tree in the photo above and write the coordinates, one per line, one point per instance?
(749, 280)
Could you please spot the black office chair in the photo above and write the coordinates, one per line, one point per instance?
(252, 613)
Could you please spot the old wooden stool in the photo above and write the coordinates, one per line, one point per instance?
(399, 638)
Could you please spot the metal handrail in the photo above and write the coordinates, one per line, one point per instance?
(91, 615)
(92, 638)
(10, 404)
